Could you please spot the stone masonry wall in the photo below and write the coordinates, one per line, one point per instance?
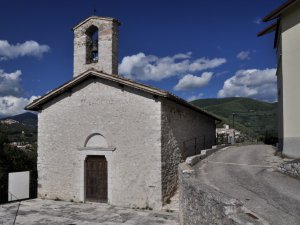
(129, 120)
(107, 47)
(179, 123)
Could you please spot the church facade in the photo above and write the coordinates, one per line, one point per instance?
(105, 138)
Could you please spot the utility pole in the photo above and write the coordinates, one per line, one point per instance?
(233, 140)
(233, 115)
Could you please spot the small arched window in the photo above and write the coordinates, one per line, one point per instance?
(92, 54)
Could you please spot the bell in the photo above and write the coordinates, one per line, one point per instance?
(95, 47)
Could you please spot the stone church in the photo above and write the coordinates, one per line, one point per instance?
(105, 138)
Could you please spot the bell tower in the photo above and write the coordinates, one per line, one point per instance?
(96, 45)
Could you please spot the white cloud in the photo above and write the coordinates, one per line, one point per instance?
(254, 83)
(190, 81)
(195, 97)
(10, 83)
(11, 105)
(28, 48)
(243, 55)
(150, 67)
(11, 102)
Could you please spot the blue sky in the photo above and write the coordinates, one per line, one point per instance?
(194, 49)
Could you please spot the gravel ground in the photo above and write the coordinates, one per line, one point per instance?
(291, 168)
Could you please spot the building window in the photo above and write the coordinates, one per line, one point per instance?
(92, 53)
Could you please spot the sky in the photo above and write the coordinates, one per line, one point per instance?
(192, 48)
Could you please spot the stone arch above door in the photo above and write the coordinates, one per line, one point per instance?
(95, 140)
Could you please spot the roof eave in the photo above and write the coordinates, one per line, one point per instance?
(36, 105)
(183, 102)
(268, 30)
(278, 11)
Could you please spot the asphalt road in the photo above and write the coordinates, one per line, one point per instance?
(248, 173)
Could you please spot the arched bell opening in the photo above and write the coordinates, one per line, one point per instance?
(92, 36)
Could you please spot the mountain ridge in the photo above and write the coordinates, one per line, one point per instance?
(27, 118)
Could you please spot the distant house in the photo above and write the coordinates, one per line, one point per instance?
(8, 121)
(228, 135)
(287, 44)
(105, 138)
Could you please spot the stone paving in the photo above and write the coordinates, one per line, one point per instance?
(48, 212)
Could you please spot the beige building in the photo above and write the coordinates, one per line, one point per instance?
(105, 138)
(229, 135)
(287, 38)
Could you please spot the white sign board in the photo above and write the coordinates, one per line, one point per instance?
(18, 185)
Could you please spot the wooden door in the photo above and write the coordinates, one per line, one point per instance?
(96, 179)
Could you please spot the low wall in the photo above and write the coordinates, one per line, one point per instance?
(201, 204)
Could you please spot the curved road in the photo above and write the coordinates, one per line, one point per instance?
(248, 173)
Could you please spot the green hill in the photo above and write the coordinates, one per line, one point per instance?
(24, 130)
(24, 118)
(255, 118)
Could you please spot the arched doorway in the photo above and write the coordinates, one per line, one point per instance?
(96, 179)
